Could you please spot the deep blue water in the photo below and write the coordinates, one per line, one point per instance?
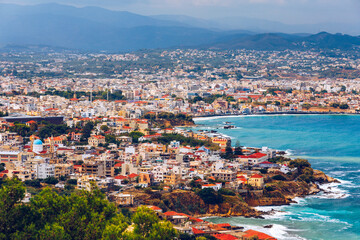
(332, 144)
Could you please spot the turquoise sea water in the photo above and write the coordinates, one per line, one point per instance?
(332, 144)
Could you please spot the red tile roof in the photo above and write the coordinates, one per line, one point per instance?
(256, 176)
(197, 231)
(261, 236)
(223, 236)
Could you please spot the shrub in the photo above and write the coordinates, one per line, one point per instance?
(224, 191)
(210, 196)
(279, 177)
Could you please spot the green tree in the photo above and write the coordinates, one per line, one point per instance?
(210, 196)
(104, 128)
(344, 106)
(238, 150)
(135, 135)
(144, 219)
(306, 106)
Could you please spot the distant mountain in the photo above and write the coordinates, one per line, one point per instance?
(251, 25)
(280, 41)
(95, 29)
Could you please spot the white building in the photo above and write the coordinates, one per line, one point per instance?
(44, 170)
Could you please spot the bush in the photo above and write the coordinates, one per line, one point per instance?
(279, 177)
(263, 171)
(72, 181)
(33, 183)
(224, 191)
(51, 180)
(210, 196)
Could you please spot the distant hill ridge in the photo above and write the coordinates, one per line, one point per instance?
(95, 29)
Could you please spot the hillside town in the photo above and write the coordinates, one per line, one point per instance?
(128, 132)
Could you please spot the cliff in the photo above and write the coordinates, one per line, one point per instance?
(190, 203)
(321, 177)
(283, 192)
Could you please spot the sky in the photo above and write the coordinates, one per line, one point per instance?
(285, 11)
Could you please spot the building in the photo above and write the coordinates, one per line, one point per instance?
(172, 179)
(224, 175)
(216, 186)
(124, 199)
(256, 180)
(37, 146)
(44, 170)
(95, 140)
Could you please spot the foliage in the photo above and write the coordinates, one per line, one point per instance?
(263, 171)
(344, 106)
(305, 171)
(300, 164)
(21, 129)
(135, 135)
(4, 114)
(86, 131)
(33, 183)
(52, 130)
(279, 178)
(51, 180)
(167, 138)
(210, 196)
(72, 182)
(148, 226)
(238, 150)
(307, 106)
(81, 215)
(224, 191)
(104, 128)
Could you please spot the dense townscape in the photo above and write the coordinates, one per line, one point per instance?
(85, 127)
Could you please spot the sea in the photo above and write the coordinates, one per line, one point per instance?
(332, 144)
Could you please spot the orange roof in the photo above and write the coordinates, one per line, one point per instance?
(197, 231)
(256, 176)
(118, 165)
(120, 177)
(133, 175)
(223, 236)
(262, 236)
(155, 208)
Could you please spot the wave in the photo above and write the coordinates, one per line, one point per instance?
(332, 191)
(277, 231)
(332, 158)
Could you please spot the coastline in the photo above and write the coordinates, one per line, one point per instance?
(202, 117)
(308, 217)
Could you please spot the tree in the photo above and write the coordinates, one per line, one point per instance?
(86, 131)
(81, 215)
(51, 180)
(228, 150)
(209, 196)
(334, 105)
(144, 219)
(307, 106)
(148, 226)
(104, 128)
(238, 150)
(344, 106)
(11, 193)
(135, 135)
